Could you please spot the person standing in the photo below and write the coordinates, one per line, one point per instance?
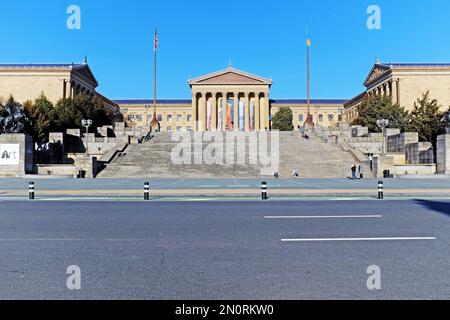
(354, 172)
(361, 171)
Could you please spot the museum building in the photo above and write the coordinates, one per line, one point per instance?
(229, 99)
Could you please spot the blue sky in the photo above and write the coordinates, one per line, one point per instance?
(264, 37)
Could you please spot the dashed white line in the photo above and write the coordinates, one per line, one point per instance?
(359, 239)
(324, 217)
(74, 240)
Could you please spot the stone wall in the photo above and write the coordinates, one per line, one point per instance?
(379, 164)
(398, 142)
(419, 153)
(443, 154)
(16, 155)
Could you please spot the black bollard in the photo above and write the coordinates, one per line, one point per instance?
(264, 191)
(31, 190)
(380, 190)
(147, 191)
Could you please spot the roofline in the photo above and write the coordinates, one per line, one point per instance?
(187, 101)
(388, 66)
(150, 102)
(243, 73)
(305, 101)
(49, 66)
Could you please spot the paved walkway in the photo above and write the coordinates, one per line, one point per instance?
(225, 187)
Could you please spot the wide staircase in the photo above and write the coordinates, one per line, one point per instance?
(313, 159)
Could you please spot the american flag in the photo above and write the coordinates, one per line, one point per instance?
(156, 41)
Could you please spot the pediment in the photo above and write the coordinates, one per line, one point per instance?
(376, 72)
(85, 72)
(230, 76)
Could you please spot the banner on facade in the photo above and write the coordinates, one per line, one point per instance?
(230, 116)
(219, 116)
(252, 116)
(241, 116)
(9, 154)
(208, 115)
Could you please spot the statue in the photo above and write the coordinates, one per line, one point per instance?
(447, 123)
(12, 117)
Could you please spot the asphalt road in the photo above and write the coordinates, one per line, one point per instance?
(225, 250)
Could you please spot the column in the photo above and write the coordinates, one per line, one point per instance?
(64, 88)
(236, 112)
(224, 111)
(202, 112)
(398, 91)
(266, 111)
(247, 112)
(194, 112)
(394, 92)
(214, 111)
(72, 89)
(262, 114)
(257, 123)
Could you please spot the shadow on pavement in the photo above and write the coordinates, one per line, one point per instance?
(438, 206)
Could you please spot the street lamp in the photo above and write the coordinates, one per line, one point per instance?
(86, 123)
(382, 124)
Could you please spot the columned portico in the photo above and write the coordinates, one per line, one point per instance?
(230, 100)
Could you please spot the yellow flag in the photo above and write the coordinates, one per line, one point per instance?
(308, 42)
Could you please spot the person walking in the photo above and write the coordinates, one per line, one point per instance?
(354, 172)
(306, 137)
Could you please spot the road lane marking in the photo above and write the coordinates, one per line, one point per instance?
(74, 240)
(324, 217)
(359, 239)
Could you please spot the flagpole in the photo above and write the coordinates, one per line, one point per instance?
(155, 123)
(154, 78)
(308, 84)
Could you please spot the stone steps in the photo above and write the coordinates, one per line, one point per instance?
(313, 159)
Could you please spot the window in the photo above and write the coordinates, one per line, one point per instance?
(188, 117)
(330, 117)
(320, 117)
(189, 128)
(130, 117)
(149, 117)
(179, 128)
(159, 118)
(139, 117)
(179, 118)
(169, 128)
(300, 118)
(169, 118)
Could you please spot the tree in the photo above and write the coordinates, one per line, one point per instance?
(71, 111)
(12, 117)
(68, 115)
(283, 119)
(427, 119)
(42, 118)
(379, 107)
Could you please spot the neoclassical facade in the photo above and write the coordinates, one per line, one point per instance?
(404, 83)
(55, 80)
(229, 100)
